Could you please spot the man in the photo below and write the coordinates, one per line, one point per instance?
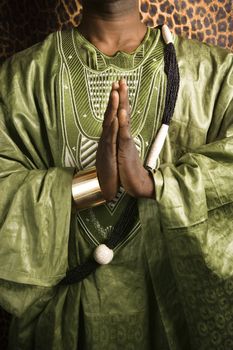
(169, 284)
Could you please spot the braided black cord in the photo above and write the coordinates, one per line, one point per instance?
(121, 229)
(80, 272)
(173, 82)
(124, 225)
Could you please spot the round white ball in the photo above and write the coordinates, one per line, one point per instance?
(103, 255)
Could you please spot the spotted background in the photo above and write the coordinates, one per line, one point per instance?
(25, 22)
(205, 20)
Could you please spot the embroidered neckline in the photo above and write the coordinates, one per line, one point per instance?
(95, 60)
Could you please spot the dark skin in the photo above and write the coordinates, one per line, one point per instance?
(106, 25)
(112, 25)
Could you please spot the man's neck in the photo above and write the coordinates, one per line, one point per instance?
(112, 25)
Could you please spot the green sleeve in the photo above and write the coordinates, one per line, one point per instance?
(188, 228)
(202, 178)
(35, 205)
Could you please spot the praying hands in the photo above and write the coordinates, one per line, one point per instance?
(117, 159)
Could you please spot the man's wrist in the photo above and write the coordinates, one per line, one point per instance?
(149, 186)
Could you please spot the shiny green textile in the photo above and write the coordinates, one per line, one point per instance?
(175, 275)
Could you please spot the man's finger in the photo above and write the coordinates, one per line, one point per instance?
(115, 85)
(114, 130)
(112, 108)
(123, 97)
(124, 125)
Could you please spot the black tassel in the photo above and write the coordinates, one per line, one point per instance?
(173, 82)
(120, 231)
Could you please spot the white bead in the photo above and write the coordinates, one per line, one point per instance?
(103, 255)
(157, 147)
(167, 35)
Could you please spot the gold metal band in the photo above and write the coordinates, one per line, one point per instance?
(86, 190)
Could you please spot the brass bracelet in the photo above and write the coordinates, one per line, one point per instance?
(86, 189)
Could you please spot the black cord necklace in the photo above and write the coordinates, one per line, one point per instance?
(103, 254)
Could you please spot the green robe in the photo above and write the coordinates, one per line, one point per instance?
(170, 284)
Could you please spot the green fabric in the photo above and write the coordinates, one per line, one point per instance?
(124, 321)
(82, 111)
(170, 284)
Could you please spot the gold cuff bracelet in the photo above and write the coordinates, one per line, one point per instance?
(86, 189)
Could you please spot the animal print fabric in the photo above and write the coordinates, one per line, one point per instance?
(206, 20)
(25, 22)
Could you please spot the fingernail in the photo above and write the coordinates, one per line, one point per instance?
(115, 85)
(123, 81)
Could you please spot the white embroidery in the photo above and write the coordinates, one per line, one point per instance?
(99, 86)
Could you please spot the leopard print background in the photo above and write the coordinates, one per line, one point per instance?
(25, 22)
(205, 20)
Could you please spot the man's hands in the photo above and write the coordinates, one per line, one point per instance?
(106, 157)
(117, 159)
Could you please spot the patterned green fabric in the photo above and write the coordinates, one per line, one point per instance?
(82, 111)
(170, 285)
